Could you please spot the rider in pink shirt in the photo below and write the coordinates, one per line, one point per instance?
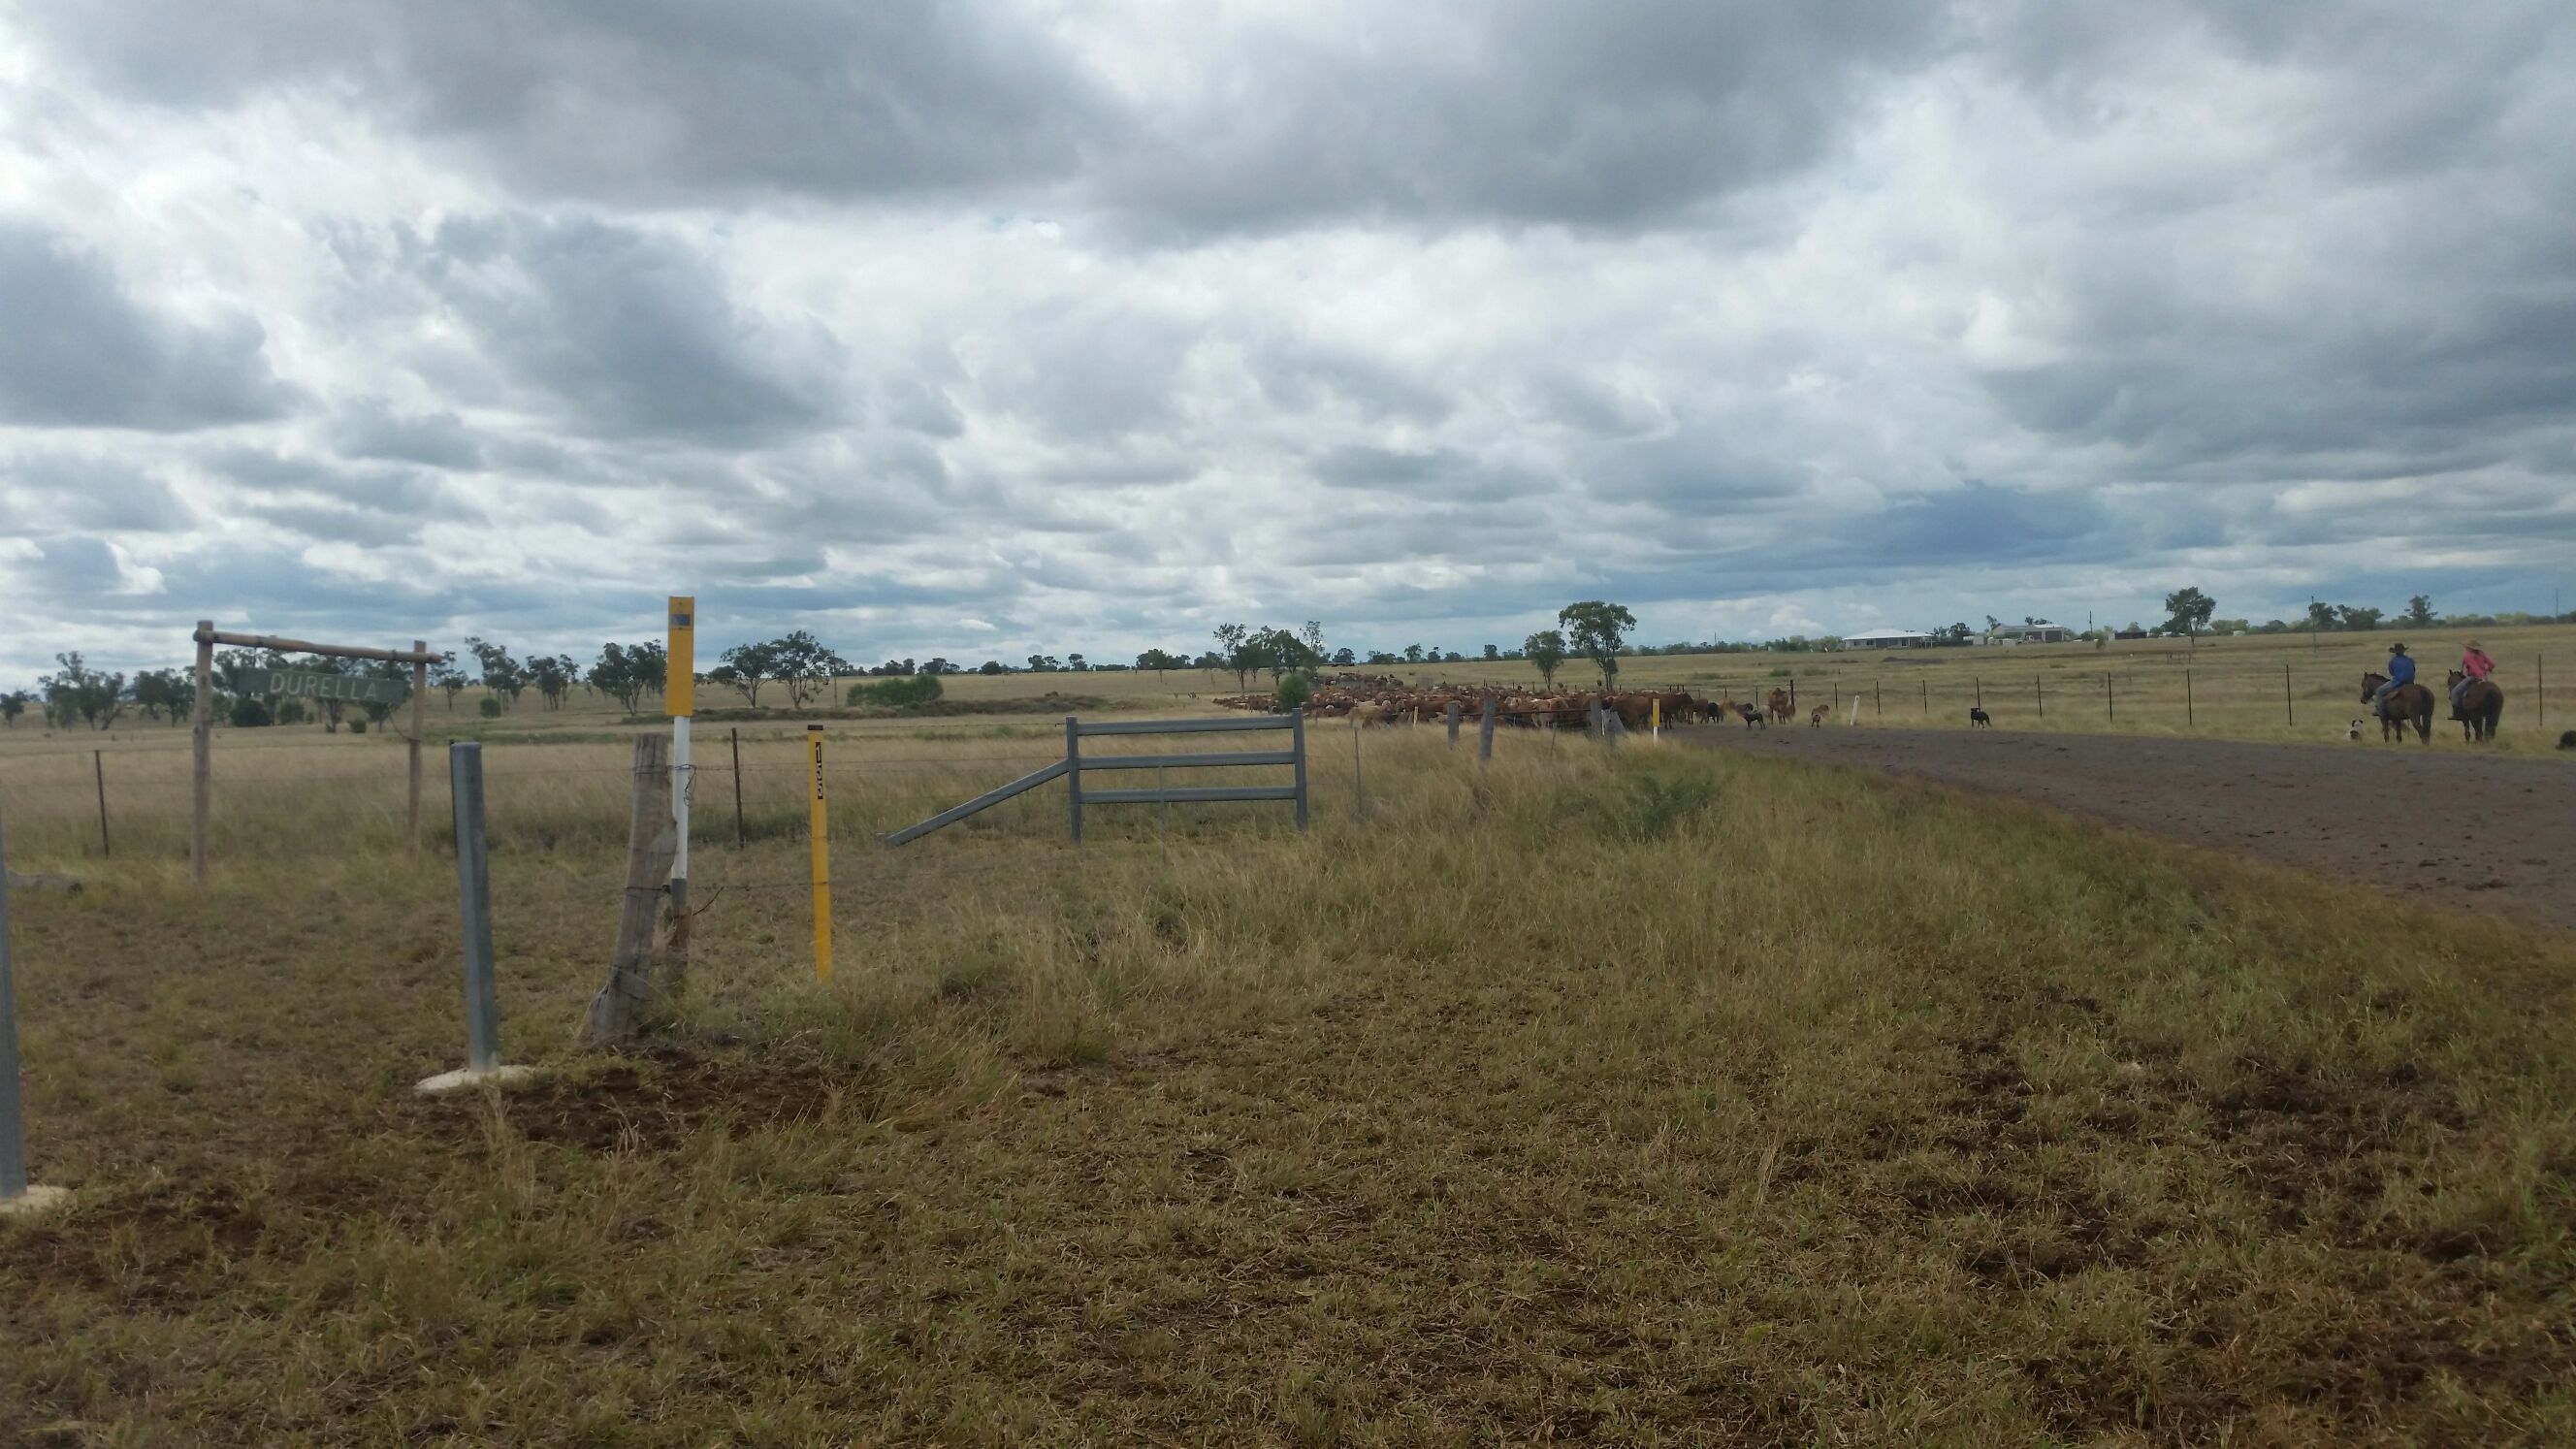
(2474, 666)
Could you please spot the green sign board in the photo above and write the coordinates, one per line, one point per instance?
(305, 684)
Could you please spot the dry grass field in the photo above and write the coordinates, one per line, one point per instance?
(1665, 1097)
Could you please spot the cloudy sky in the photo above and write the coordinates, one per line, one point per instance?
(982, 328)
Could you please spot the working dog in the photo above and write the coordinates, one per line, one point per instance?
(1816, 716)
(2353, 733)
(1978, 717)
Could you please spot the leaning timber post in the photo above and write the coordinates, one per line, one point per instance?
(2038, 698)
(1485, 733)
(1980, 685)
(2540, 687)
(1927, 697)
(1877, 701)
(201, 729)
(2287, 708)
(651, 842)
(2190, 720)
(2108, 708)
(98, 765)
(679, 696)
(419, 695)
(1453, 725)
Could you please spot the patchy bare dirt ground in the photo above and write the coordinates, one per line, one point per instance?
(1674, 1097)
(2483, 831)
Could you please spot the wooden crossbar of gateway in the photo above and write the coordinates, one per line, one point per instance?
(1075, 764)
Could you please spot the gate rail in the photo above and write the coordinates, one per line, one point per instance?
(1075, 764)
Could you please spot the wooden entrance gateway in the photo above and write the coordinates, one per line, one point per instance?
(418, 656)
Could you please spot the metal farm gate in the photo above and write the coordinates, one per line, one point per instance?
(1076, 764)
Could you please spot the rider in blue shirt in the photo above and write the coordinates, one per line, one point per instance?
(2401, 672)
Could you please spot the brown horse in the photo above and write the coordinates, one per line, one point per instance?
(2410, 704)
(2480, 706)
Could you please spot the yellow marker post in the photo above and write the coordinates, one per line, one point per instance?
(819, 825)
(680, 675)
(1656, 706)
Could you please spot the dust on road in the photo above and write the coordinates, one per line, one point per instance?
(2485, 832)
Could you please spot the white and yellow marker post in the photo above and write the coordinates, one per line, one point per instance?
(680, 696)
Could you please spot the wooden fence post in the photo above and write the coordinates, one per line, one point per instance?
(419, 698)
(2108, 708)
(735, 736)
(2037, 697)
(2287, 708)
(1485, 733)
(652, 841)
(98, 764)
(2189, 720)
(1359, 785)
(201, 727)
(1073, 773)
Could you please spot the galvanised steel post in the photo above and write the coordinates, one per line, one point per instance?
(13, 1128)
(474, 906)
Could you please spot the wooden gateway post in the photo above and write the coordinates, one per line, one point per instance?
(202, 719)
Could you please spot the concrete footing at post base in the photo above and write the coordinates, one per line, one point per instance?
(465, 1079)
(35, 1202)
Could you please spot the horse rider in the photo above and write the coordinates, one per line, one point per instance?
(2474, 666)
(2401, 673)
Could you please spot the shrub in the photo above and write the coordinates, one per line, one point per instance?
(1293, 692)
(357, 726)
(248, 713)
(291, 711)
(901, 692)
(490, 708)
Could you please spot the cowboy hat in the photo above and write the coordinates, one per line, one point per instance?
(2397, 648)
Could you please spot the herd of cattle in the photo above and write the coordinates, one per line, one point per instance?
(1373, 700)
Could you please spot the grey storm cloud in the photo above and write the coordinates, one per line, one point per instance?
(638, 99)
(42, 495)
(1525, 110)
(371, 428)
(633, 332)
(77, 349)
(1042, 326)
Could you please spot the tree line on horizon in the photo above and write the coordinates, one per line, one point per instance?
(802, 669)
